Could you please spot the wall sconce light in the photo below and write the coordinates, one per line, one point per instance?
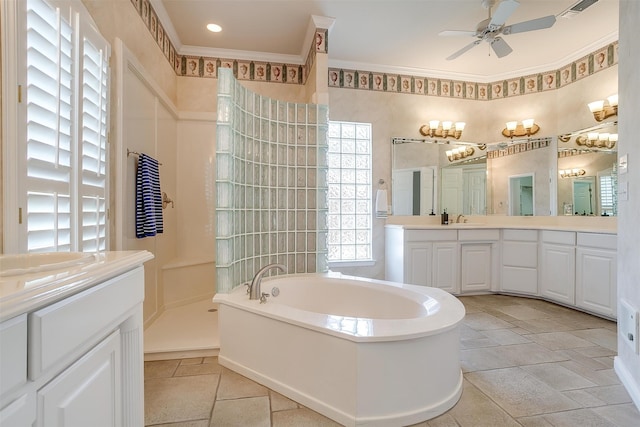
(526, 128)
(459, 153)
(447, 129)
(604, 108)
(598, 140)
(568, 173)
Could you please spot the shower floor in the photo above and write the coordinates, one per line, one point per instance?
(187, 331)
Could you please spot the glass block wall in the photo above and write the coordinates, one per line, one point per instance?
(271, 184)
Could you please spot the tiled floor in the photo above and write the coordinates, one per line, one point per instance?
(526, 362)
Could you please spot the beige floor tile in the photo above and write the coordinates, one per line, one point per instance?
(235, 386)
(249, 412)
(585, 399)
(588, 362)
(506, 336)
(597, 376)
(482, 321)
(578, 417)
(559, 340)
(557, 376)
(602, 337)
(475, 409)
(198, 423)
(519, 393)
(595, 351)
(522, 312)
(529, 354)
(537, 326)
(612, 395)
(301, 417)
(179, 398)
(280, 402)
(444, 420)
(191, 361)
(478, 343)
(482, 359)
(210, 359)
(620, 415)
(536, 421)
(160, 368)
(467, 333)
(606, 361)
(201, 369)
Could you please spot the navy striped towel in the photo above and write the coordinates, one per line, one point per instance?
(148, 198)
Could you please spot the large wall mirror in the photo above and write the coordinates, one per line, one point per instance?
(587, 178)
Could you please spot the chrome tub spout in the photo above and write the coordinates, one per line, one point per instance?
(254, 288)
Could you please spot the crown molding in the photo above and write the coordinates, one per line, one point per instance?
(244, 55)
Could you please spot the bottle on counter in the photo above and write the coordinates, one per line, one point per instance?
(444, 218)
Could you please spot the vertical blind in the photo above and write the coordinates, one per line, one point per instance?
(66, 131)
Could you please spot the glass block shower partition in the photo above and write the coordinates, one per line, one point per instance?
(271, 185)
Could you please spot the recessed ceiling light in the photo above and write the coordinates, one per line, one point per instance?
(214, 28)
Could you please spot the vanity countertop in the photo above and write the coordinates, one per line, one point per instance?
(27, 289)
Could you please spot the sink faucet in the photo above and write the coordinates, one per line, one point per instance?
(254, 288)
(458, 218)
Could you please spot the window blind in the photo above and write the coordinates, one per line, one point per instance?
(67, 89)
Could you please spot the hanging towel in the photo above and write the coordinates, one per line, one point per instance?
(148, 198)
(381, 203)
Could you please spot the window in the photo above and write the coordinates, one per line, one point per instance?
(349, 197)
(606, 193)
(62, 170)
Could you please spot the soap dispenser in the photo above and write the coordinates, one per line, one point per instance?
(444, 218)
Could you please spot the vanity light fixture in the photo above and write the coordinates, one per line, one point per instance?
(598, 140)
(569, 173)
(444, 130)
(526, 128)
(459, 153)
(604, 108)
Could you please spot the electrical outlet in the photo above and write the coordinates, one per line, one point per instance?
(628, 326)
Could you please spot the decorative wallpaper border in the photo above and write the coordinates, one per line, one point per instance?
(206, 67)
(521, 147)
(599, 60)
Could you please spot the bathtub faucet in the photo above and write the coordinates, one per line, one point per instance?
(254, 288)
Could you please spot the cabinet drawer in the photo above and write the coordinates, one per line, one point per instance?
(600, 241)
(520, 235)
(559, 237)
(470, 235)
(430, 235)
(13, 352)
(78, 322)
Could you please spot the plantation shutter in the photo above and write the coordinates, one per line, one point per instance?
(93, 180)
(49, 129)
(67, 92)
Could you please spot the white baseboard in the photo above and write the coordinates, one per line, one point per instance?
(627, 380)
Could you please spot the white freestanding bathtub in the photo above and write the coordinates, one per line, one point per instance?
(359, 351)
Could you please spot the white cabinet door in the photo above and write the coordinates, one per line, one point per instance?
(445, 266)
(476, 267)
(557, 281)
(596, 280)
(88, 393)
(417, 263)
(20, 412)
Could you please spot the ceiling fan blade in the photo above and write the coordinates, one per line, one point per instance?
(457, 33)
(502, 13)
(500, 47)
(463, 50)
(532, 25)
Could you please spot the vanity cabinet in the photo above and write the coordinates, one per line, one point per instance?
(558, 266)
(596, 273)
(76, 361)
(519, 270)
(477, 267)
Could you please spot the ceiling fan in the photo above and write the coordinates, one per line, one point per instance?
(491, 29)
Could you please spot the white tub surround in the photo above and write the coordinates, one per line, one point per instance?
(71, 339)
(570, 264)
(360, 351)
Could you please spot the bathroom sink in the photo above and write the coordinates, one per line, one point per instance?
(17, 264)
(468, 224)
